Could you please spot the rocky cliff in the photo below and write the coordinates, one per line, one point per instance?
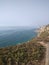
(43, 33)
(43, 30)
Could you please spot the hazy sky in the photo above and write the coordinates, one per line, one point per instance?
(24, 12)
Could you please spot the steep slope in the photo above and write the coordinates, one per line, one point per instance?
(28, 53)
(43, 33)
(43, 38)
(32, 52)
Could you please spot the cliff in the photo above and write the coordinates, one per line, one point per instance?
(28, 53)
(43, 29)
(43, 33)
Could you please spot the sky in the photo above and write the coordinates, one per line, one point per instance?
(24, 12)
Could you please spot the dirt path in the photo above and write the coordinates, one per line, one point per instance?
(47, 52)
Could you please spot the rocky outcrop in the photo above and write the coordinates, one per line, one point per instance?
(43, 30)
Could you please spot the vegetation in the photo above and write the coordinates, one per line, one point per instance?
(25, 54)
(44, 36)
(28, 53)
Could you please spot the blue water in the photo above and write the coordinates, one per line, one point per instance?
(12, 37)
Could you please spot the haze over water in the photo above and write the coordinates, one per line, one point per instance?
(21, 13)
(13, 36)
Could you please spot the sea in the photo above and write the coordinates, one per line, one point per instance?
(10, 36)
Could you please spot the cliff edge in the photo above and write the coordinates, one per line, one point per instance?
(28, 53)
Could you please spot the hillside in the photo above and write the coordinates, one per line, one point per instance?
(43, 33)
(28, 53)
(25, 54)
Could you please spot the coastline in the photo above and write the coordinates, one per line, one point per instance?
(34, 50)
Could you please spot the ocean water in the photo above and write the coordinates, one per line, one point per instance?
(13, 36)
